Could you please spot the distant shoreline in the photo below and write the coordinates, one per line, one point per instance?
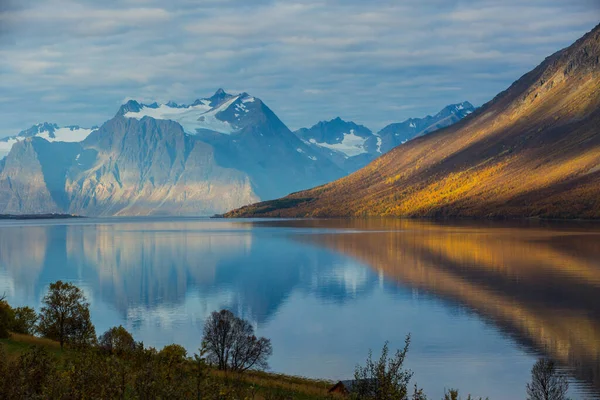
(457, 218)
(37, 216)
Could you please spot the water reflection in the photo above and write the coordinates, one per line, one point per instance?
(539, 285)
(326, 291)
(138, 267)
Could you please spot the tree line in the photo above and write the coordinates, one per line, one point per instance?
(116, 366)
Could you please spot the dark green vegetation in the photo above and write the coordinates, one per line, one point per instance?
(533, 151)
(69, 362)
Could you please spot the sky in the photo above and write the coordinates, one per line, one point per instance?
(373, 62)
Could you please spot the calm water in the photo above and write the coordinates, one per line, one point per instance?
(482, 301)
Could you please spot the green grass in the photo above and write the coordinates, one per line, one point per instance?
(18, 343)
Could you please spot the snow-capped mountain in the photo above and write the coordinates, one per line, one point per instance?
(398, 133)
(208, 157)
(222, 113)
(48, 131)
(345, 137)
(349, 145)
(246, 135)
(353, 146)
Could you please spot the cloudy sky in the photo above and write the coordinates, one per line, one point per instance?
(373, 62)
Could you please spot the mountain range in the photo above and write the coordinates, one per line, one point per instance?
(213, 155)
(532, 151)
(50, 132)
(353, 146)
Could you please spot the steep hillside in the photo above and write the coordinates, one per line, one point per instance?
(533, 151)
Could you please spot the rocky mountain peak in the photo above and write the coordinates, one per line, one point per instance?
(130, 106)
(38, 128)
(219, 97)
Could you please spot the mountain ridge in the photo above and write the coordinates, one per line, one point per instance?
(404, 131)
(48, 131)
(352, 146)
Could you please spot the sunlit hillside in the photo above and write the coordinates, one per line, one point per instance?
(533, 151)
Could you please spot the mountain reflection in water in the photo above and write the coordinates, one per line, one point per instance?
(309, 285)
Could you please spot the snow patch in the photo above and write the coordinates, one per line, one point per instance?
(313, 158)
(378, 144)
(299, 150)
(412, 125)
(351, 145)
(70, 134)
(6, 145)
(192, 118)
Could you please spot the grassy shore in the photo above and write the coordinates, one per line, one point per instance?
(292, 386)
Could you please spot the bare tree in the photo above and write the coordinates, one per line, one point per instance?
(230, 343)
(547, 383)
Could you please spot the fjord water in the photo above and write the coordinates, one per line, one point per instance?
(482, 301)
